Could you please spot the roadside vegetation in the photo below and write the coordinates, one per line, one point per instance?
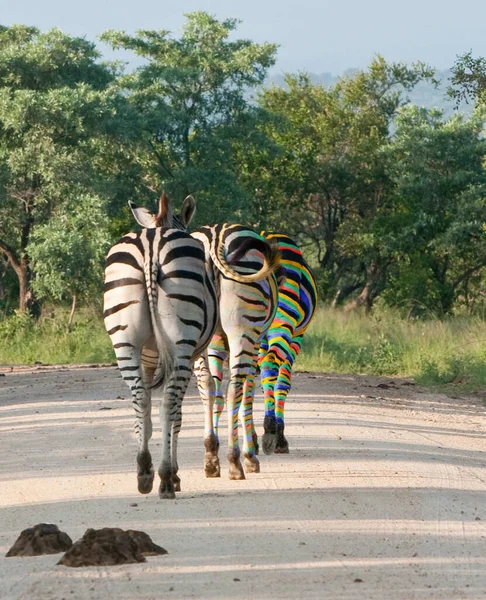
(387, 199)
(449, 353)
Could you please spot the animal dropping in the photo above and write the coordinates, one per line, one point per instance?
(41, 539)
(109, 547)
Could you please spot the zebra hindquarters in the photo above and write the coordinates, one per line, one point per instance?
(127, 320)
(246, 310)
(187, 315)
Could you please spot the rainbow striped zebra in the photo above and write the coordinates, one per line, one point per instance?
(247, 300)
(247, 309)
(160, 311)
(297, 302)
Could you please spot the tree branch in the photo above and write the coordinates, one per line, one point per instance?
(9, 252)
(467, 273)
(159, 158)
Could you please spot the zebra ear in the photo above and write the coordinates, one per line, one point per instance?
(143, 216)
(164, 216)
(188, 211)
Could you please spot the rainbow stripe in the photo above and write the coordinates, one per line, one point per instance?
(297, 302)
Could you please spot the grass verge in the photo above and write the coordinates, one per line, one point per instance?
(445, 353)
(47, 340)
(449, 352)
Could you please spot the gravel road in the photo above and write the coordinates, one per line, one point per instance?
(383, 495)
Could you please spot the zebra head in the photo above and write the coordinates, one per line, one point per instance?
(165, 217)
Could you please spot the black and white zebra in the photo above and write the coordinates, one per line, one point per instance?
(160, 310)
(242, 263)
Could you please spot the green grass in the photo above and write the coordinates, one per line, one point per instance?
(433, 352)
(451, 352)
(25, 341)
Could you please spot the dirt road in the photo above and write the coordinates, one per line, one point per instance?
(383, 495)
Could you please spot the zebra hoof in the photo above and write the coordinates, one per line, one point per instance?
(282, 449)
(252, 464)
(281, 446)
(212, 467)
(145, 483)
(177, 483)
(167, 491)
(256, 444)
(269, 443)
(236, 472)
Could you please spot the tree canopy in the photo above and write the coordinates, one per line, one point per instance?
(386, 198)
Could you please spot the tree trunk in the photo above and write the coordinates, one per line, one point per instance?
(374, 279)
(71, 315)
(24, 292)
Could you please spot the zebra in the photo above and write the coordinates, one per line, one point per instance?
(297, 303)
(160, 311)
(247, 294)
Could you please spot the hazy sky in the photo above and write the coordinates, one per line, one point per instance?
(314, 35)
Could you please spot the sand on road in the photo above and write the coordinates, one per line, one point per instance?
(383, 495)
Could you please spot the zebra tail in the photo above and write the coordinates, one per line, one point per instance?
(271, 259)
(162, 341)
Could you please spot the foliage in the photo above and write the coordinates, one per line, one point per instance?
(58, 118)
(385, 198)
(468, 81)
(24, 340)
(432, 351)
(331, 181)
(68, 251)
(436, 231)
(192, 95)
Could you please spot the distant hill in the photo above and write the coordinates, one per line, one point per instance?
(424, 94)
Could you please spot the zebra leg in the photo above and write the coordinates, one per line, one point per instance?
(217, 353)
(233, 402)
(269, 376)
(171, 420)
(242, 366)
(169, 408)
(168, 413)
(252, 465)
(282, 389)
(206, 388)
(175, 429)
(129, 362)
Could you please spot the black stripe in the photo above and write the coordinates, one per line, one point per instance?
(117, 328)
(191, 323)
(118, 307)
(135, 241)
(184, 251)
(176, 235)
(184, 274)
(123, 344)
(253, 319)
(253, 302)
(186, 298)
(124, 258)
(188, 342)
(111, 285)
(246, 352)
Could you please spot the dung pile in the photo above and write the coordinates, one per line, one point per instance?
(40, 539)
(110, 546)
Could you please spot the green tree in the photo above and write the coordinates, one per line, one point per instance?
(59, 118)
(437, 228)
(67, 252)
(331, 179)
(199, 123)
(468, 81)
